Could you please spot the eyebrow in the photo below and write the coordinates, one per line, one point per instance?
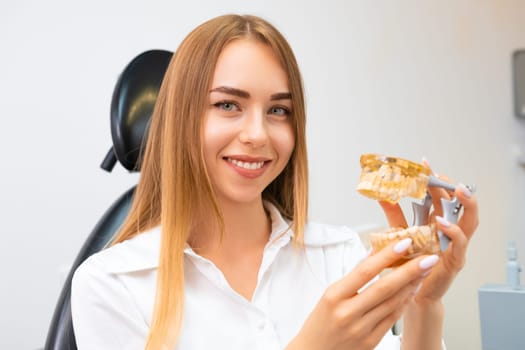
(245, 94)
(281, 96)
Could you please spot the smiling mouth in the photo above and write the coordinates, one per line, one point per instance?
(246, 165)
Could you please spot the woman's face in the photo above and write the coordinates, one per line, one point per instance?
(248, 133)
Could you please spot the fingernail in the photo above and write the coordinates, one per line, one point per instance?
(465, 190)
(425, 162)
(369, 252)
(442, 221)
(428, 262)
(403, 245)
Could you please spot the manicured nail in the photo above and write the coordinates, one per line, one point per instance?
(465, 190)
(425, 162)
(442, 221)
(428, 262)
(403, 245)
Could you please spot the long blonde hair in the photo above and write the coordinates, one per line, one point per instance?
(174, 185)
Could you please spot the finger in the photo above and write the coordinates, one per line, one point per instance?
(469, 220)
(425, 163)
(394, 214)
(376, 315)
(437, 193)
(388, 322)
(458, 247)
(391, 284)
(369, 268)
(375, 323)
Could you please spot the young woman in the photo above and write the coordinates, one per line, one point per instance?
(216, 252)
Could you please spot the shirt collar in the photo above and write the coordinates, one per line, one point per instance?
(281, 228)
(315, 234)
(138, 253)
(280, 235)
(142, 252)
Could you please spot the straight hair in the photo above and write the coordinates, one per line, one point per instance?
(174, 186)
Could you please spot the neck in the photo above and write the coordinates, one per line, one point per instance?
(246, 227)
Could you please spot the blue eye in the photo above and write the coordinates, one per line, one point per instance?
(279, 111)
(226, 106)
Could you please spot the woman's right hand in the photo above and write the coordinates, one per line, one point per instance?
(346, 319)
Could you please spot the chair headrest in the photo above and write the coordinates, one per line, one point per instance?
(132, 104)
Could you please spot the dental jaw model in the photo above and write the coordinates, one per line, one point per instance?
(390, 179)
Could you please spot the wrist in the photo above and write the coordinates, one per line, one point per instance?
(426, 305)
(423, 325)
(295, 344)
(425, 311)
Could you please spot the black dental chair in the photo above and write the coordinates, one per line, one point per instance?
(131, 107)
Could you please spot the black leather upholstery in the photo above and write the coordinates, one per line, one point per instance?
(132, 104)
(60, 335)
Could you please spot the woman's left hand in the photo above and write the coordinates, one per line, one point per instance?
(453, 258)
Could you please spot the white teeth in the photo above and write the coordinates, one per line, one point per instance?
(246, 165)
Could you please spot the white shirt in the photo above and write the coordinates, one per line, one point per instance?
(113, 292)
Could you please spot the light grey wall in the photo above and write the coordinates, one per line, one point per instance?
(406, 78)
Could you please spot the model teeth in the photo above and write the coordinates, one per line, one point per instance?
(246, 165)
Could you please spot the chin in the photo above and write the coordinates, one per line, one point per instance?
(241, 197)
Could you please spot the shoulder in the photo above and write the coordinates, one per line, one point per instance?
(110, 303)
(321, 234)
(115, 285)
(332, 250)
(138, 253)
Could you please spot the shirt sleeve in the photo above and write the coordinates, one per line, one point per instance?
(104, 313)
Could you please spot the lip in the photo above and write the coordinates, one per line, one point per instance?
(248, 173)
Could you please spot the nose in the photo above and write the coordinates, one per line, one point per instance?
(254, 129)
